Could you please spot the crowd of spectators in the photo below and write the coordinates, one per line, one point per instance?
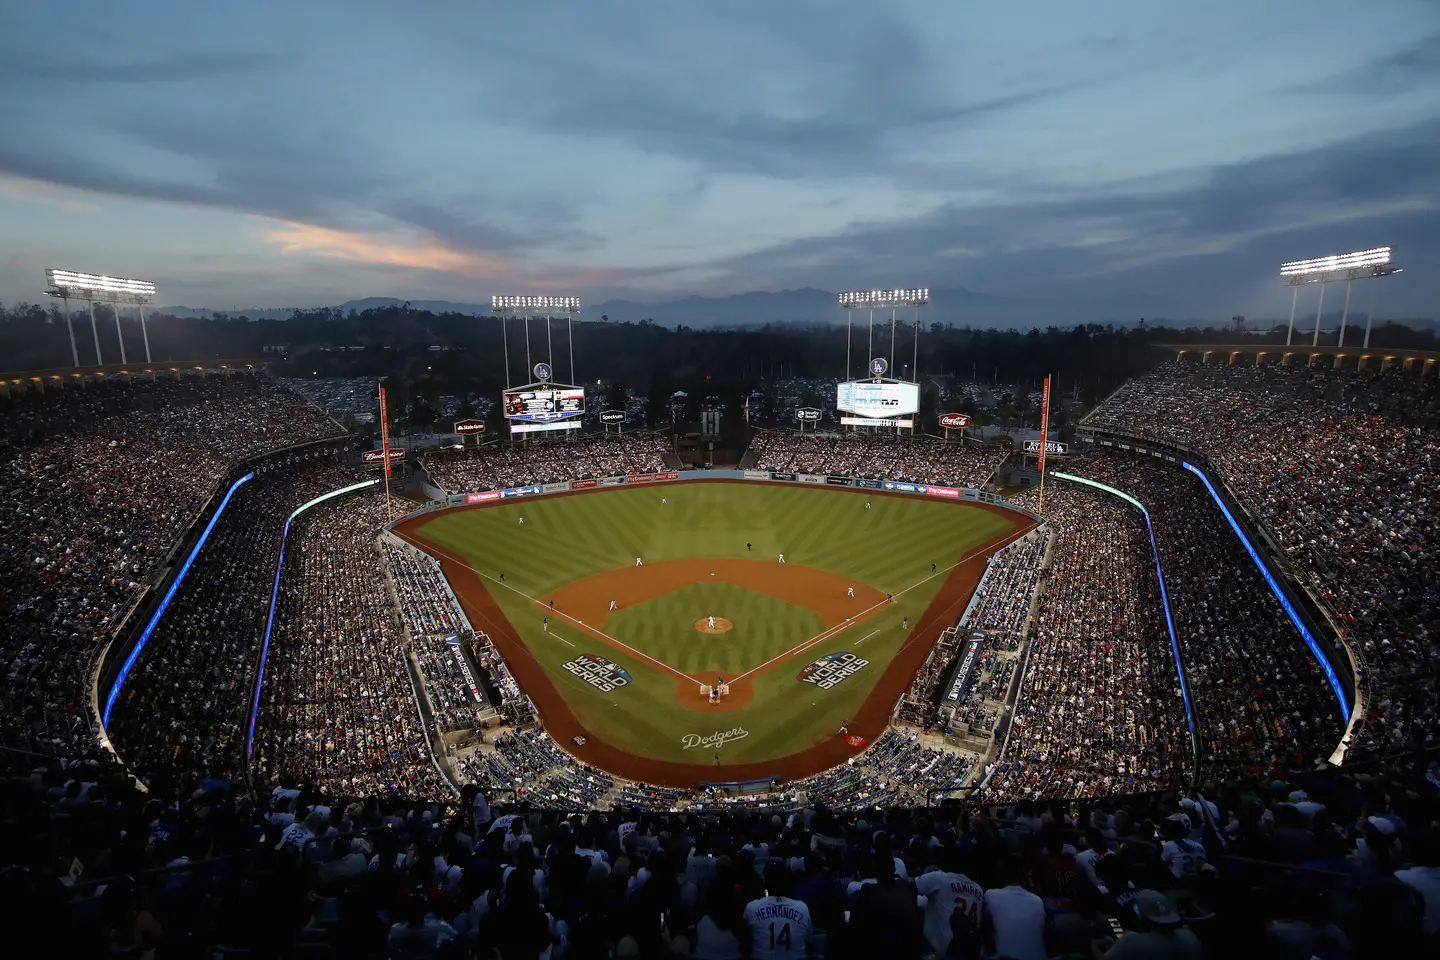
(1331, 864)
(96, 485)
(338, 705)
(918, 459)
(1100, 711)
(502, 465)
(185, 703)
(1341, 468)
(1261, 699)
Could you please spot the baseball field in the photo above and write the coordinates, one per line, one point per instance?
(616, 609)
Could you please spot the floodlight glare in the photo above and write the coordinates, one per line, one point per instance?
(1342, 266)
(856, 299)
(562, 304)
(90, 286)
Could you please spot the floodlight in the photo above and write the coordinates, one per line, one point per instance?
(1342, 266)
(562, 304)
(90, 286)
(856, 299)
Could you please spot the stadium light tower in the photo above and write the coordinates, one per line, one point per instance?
(91, 287)
(528, 306)
(916, 297)
(1362, 264)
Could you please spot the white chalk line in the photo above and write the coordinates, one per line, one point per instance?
(793, 651)
(579, 624)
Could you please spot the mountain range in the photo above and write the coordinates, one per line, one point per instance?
(958, 306)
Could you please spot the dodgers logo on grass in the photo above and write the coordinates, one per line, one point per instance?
(598, 672)
(832, 668)
(717, 739)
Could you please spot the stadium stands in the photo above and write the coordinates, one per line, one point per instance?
(575, 458)
(915, 459)
(1100, 711)
(98, 484)
(1341, 467)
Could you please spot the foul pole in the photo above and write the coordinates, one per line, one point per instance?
(1044, 442)
(385, 453)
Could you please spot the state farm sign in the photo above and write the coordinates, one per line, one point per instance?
(378, 456)
(954, 421)
(469, 427)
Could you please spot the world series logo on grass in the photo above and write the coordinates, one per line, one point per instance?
(830, 669)
(598, 672)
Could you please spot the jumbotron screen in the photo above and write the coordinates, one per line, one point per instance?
(543, 406)
(876, 400)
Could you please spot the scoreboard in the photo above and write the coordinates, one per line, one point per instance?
(544, 405)
(877, 400)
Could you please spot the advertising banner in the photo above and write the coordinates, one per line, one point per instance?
(582, 484)
(561, 487)
(612, 416)
(942, 492)
(611, 481)
(519, 491)
(904, 487)
(545, 427)
(838, 481)
(668, 475)
(810, 477)
(377, 457)
(868, 422)
(469, 427)
(757, 474)
(485, 497)
(782, 476)
(1051, 446)
(807, 414)
(954, 421)
(639, 478)
(967, 667)
(869, 484)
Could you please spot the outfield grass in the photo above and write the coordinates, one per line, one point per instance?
(889, 546)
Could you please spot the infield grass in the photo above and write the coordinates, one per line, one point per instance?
(889, 547)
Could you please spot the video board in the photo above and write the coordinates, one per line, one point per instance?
(867, 398)
(544, 405)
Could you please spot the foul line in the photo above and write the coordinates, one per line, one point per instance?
(793, 651)
(580, 624)
(866, 637)
(852, 621)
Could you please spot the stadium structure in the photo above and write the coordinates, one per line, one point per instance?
(569, 643)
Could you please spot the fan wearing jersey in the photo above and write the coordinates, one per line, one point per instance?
(1184, 857)
(948, 891)
(779, 925)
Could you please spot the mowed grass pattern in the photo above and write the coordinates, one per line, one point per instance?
(665, 628)
(889, 546)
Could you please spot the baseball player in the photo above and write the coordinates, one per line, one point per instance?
(639, 562)
(712, 623)
(613, 606)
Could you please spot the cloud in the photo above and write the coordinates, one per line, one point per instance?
(49, 194)
(25, 66)
(425, 253)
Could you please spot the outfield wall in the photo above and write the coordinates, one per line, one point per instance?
(958, 494)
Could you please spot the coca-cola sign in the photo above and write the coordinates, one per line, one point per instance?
(378, 456)
(954, 421)
(468, 428)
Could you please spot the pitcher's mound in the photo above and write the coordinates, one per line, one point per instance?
(722, 625)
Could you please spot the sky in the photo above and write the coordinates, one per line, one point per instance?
(294, 154)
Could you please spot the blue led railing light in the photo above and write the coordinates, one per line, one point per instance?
(275, 598)
(165, 603)
(1290, 610)
(1164, 596)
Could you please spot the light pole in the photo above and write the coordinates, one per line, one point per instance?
(91, 287)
